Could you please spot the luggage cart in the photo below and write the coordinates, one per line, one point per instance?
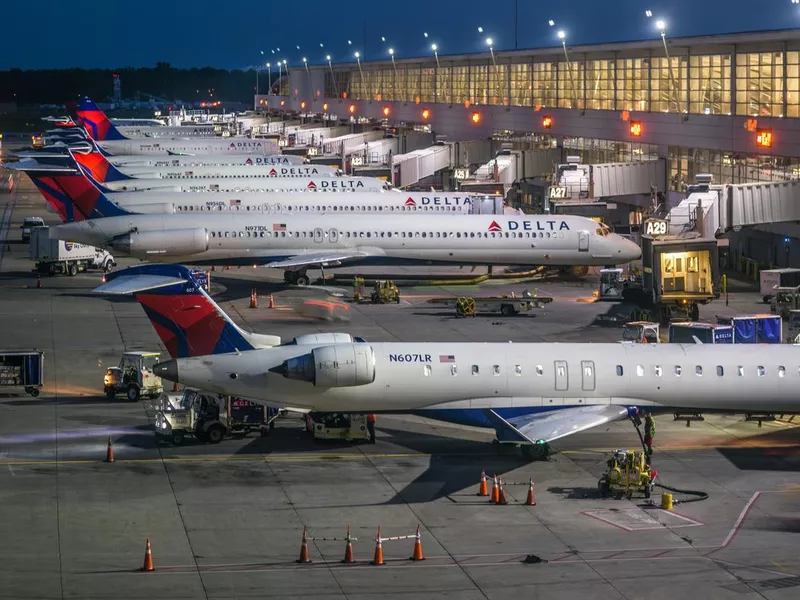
(22, 369)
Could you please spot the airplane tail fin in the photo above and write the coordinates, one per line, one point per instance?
(96, 122)
(92, 162)
(69, 191)
(183, 314)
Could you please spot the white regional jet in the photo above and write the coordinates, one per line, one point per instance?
(529, 393)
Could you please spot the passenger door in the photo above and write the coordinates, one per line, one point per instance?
(583, 241)
(562, 376)
(318, 235)
(587, 375)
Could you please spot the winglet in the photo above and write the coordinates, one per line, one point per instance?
(96, 122)
(184, 316)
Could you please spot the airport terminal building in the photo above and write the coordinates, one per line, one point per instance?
(728, 105)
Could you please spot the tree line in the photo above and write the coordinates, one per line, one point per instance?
(51, 86)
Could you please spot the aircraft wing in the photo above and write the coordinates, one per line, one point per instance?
(133, 284)
(317, 258)
(554, 424)
(176, 153)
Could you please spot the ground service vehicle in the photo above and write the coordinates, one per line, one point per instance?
(754, 329)
(385, 292)
(641, 332)
(57, 256)
(785, 299)
(340, 426)
(209, 417)
(28, 225)
(134, 376)
(508, 306)
(769, 279)
(612, 284)
(627, 472)
(678, 275)
(705, 333)
(22, 369)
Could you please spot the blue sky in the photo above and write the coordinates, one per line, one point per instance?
(42, 34)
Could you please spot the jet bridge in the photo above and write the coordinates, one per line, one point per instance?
(374, 153)
(344, 145)
(605, 180)
(414, 166)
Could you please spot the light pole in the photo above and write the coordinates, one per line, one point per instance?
(333, 77)
(662, 26)
(563, 37)
(361, 73)
(394, 81)
(257, 68)
(269, 73)
(308, 74)
(489, 43)
(435, 49)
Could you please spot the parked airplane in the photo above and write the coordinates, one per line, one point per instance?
(102, 129)
(68, 180)
(111, 177)
(529, 393)
(296, 242)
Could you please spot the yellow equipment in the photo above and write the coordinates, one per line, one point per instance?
(627, 473)
(358, 288)
(134, 376)
(385, 292)
(340, 426)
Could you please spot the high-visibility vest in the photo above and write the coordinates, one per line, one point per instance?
(372, 418)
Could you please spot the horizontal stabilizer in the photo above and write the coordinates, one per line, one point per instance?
(29, 164)
(554, 424)
(134, 284)
(316, 258)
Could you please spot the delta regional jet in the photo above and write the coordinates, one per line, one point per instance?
(528, 393)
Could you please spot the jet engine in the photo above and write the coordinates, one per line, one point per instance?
(171, 242)
(340, 365)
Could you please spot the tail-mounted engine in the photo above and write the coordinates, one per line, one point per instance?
(339, 365)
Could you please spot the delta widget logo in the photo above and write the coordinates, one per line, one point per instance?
(249, 161)
(311, 185)
(410, 202)
(272, 172)
(495, 227)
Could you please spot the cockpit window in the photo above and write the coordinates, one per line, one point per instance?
(603, 230)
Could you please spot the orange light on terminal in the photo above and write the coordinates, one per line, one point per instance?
(764, 138)
(352, 108)
(636, 128)
(467, 104)
(625, 116)
(283, 102)
(547, 122)
(344, 95)
(303, 105)
(417, 100)
(386, 111)
(476, 117)
(325, 106)
(426, 114)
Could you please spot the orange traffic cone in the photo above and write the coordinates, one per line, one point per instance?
(348, 549)
(175, 388)
(502, 495)
(253, 299)
(530, 501)
(378, 559)
(110, 452)
(148, 558)
(304, 548)
(38, 282)
(495, 497)
(418, 547)
(271, 301)
(483, 488)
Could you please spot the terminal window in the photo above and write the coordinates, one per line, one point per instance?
(759, 84)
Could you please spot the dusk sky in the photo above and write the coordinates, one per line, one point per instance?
(42, 34)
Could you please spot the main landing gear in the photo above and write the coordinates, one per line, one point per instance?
(296, 277)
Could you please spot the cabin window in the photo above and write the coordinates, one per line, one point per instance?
(496, 370)
(639, 370)
(475, 369)
(561, 371)
(658, 370)
(518, 370)
(453, 370)
(698, 370)
(619, 370)
(677, 370)
(740, 371)
(781, 371)
(539, 370)
(587, 371)
(720, 371)
(213, 234)
(427, 370)
(761, 371)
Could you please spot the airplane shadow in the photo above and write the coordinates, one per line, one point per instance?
(766, 458)
(575, 493)
(450, 315)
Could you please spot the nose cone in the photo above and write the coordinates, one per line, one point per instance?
(167, 370)
(627, 250)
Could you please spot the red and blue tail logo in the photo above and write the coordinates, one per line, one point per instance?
(74, 197)
(96, 123)
(186, 319)
(98, 167)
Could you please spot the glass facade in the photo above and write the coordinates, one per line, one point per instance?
(686, 163)
(752, 84)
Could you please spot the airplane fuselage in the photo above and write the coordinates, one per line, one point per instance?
(345, 183)
(160, 146)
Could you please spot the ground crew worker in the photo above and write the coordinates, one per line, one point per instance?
(649, 433)
(371, 427)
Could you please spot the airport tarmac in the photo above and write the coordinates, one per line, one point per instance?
(226, 521)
